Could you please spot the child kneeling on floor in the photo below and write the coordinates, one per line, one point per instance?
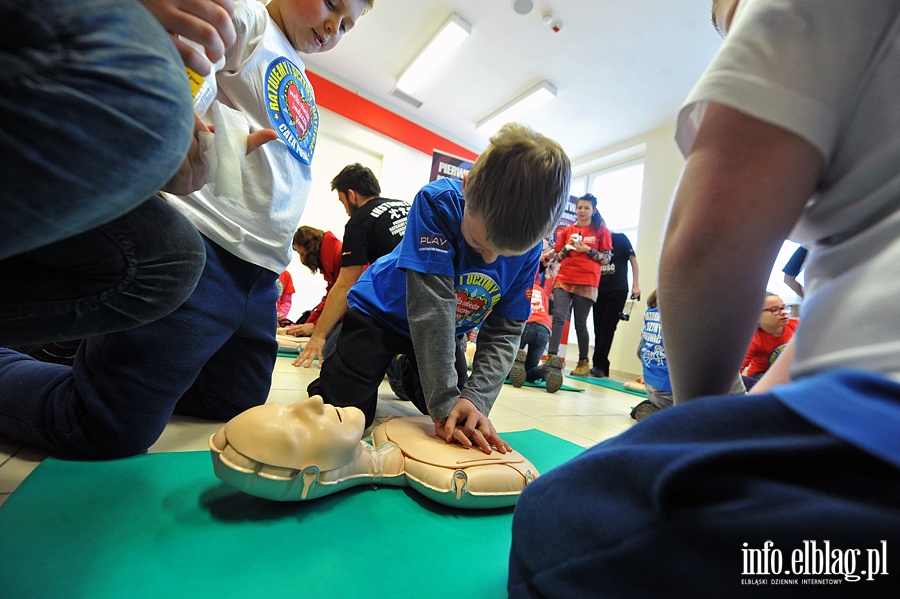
(469, 254)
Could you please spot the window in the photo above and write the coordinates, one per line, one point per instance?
(618, 192)
(776, 277)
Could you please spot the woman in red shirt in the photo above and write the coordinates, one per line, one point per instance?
(320, 251)
(582, 249)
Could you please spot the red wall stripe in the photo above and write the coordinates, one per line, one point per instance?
(344, 102)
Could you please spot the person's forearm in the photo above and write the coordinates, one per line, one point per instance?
(284, 305)
(498, 342)
(710, 290)
(335, 304)
(744, 185)
(431, 309)
(794, 284)
(316, 313)
(635, 275)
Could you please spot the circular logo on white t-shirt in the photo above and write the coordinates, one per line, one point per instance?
(292, 108)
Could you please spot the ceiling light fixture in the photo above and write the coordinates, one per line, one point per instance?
(451, 34)
(539, 94)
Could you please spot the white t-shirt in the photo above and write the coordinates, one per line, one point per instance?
(253, 209)
(828, 71)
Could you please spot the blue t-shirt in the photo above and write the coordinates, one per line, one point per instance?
(434, 244)
(653, 354)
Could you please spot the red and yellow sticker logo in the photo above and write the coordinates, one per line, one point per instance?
(292, 108)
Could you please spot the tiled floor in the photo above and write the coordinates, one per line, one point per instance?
(582, 418)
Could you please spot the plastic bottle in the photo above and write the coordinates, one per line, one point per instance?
(203, 89)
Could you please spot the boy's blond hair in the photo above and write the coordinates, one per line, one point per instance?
(519, 186)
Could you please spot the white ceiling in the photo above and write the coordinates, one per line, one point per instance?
(621, 67)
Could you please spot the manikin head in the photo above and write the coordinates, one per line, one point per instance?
(307, 433)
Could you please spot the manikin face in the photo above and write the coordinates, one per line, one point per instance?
(315, 25)
(307, 433)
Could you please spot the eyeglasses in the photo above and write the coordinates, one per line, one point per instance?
(778, 309)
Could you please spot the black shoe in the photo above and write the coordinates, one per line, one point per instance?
(62, 352)
(553, 373)
(517, 374)
(598, 373)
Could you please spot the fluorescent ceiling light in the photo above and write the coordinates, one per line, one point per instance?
(539, 94)
(451, 34)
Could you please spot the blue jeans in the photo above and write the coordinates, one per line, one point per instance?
(535, 336)
(211, 358)
(95, 116)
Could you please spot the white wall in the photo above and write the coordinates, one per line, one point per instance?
(662, 168)
(401, 171)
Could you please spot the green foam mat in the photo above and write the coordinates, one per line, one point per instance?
(162, 525)
(608, 383)
(543, 385)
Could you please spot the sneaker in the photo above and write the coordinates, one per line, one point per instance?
(582, 369)
(517, 374)
(598, 373)
(644, 409)
(553, 373)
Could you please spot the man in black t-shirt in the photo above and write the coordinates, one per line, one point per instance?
(375, 227)
(611, 296)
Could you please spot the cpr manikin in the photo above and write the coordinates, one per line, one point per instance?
(311, 449)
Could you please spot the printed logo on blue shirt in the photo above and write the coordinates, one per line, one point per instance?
(292, 108)
(476, 294)
(433, 243)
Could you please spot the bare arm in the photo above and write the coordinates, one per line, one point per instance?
(332, 312)
(635, 276)
(743, 187)
(792, 282)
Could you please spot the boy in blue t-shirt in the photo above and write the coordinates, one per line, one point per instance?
(469, 254)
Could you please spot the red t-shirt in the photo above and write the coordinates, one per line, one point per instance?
(540, 301)
(286, 284)
(330, 257)
(578, 268)
(765, 348)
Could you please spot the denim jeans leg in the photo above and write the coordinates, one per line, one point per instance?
(562, 306)
(123, 274)
(95, 113)
(535, 336)
(120, 393)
